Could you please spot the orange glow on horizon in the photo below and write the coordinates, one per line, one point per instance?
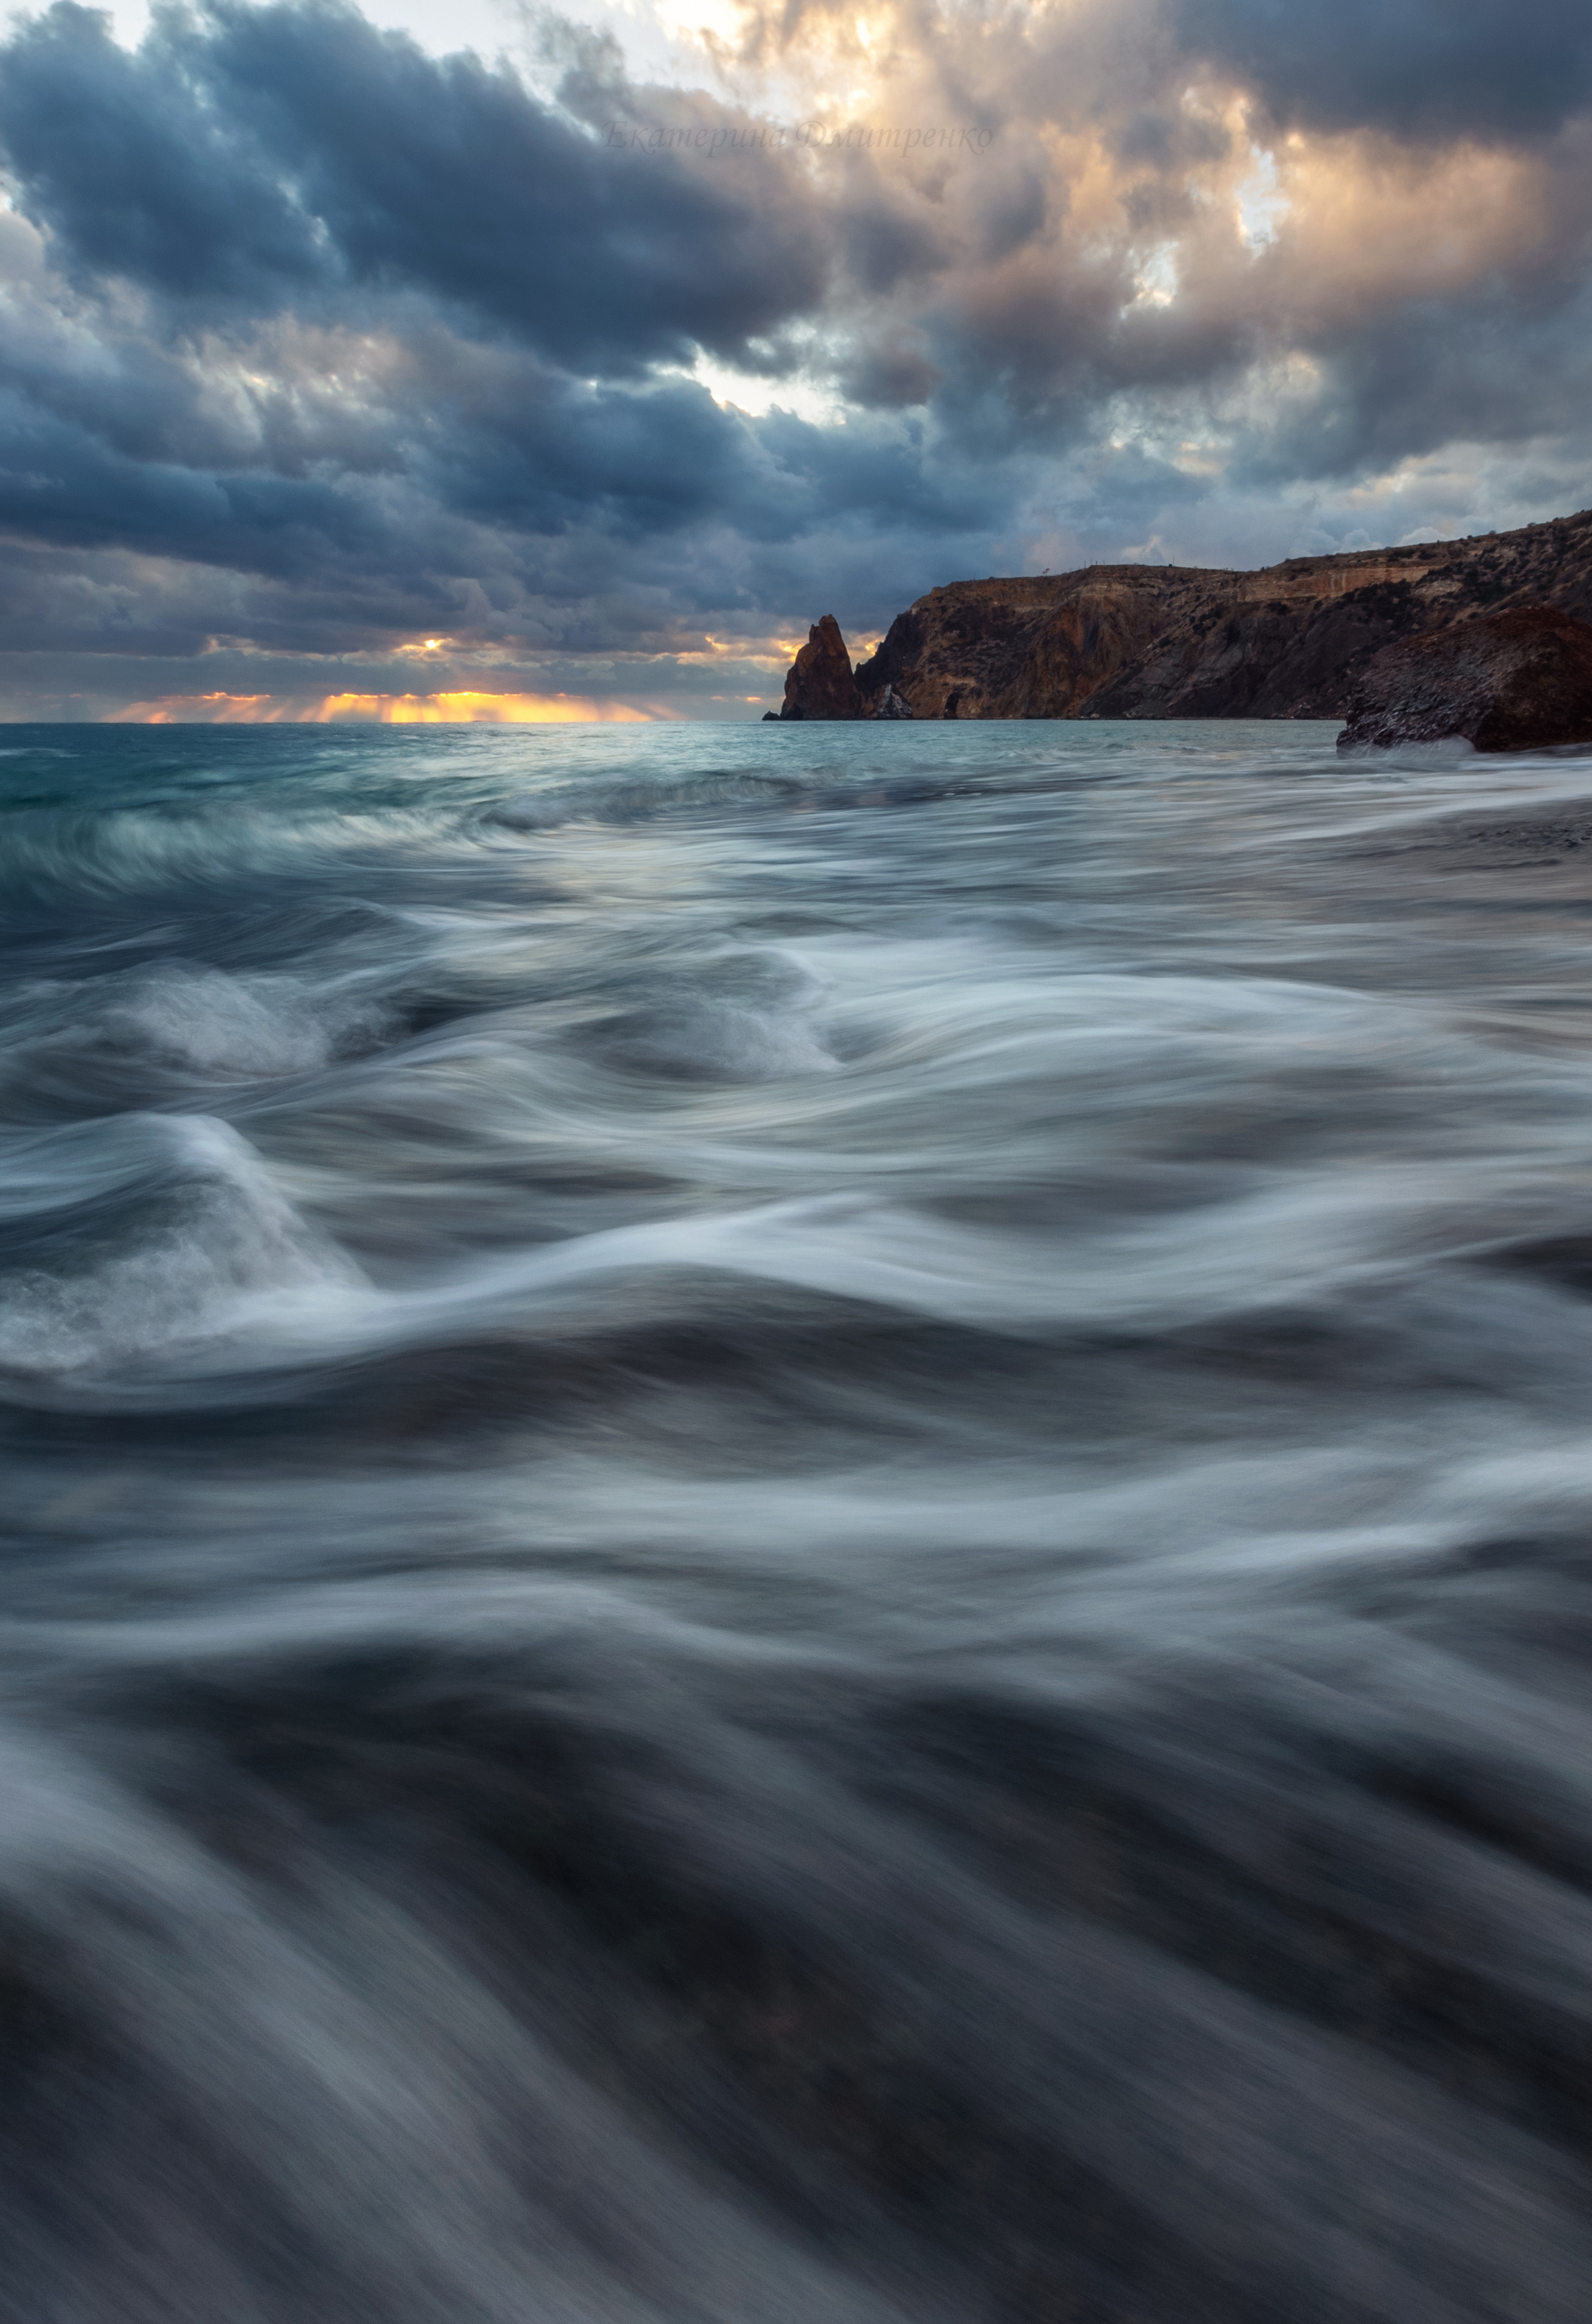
(203, 710)
(464, 708)
(474, 709)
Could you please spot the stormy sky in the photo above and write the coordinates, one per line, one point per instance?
(476, 361)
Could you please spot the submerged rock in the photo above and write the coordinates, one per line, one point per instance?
(1520, 680)
(818, 683)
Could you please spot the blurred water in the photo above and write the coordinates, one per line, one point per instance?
(796, 1527)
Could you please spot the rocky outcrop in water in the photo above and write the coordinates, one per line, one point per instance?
(890, 705)
(1172, 641)
(1520, 680)
(820, 683)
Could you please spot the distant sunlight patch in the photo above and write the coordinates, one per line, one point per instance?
(204, 710)
(476, 709)
(388, 709)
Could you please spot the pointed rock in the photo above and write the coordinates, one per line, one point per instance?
(818, 683)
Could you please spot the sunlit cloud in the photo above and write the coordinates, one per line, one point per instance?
(734, 391)
(1259, 203)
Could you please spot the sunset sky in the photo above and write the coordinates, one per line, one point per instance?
(469, 361)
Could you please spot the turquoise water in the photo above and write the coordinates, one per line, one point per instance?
(795, 1526)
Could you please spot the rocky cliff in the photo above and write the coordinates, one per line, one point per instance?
(1179, 641)
(1515, 680)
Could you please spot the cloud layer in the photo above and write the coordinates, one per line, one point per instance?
(324, 360)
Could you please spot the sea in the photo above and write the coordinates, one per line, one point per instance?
(796, 1526)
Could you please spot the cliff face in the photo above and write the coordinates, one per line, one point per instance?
(1518, 680)
(1178, 641)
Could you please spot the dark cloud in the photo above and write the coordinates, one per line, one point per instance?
(1167, 140)
(892, 372)
(472, 435)
(250, 156)
(139, 174)
(1487, 69)
(1409, 382)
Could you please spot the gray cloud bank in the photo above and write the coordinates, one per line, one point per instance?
(315, 345)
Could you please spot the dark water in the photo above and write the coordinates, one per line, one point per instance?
(796, 1528)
